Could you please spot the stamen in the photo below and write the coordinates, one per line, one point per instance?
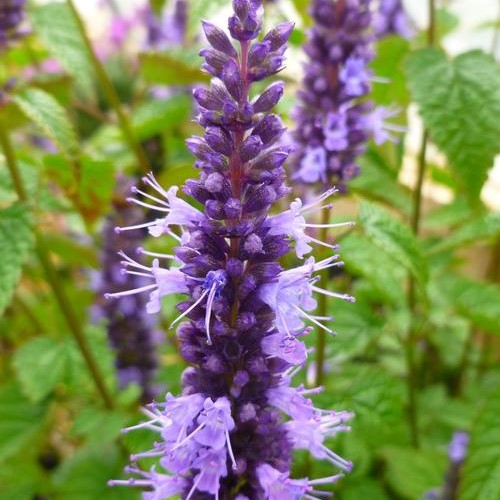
(349, 298)
(141, 251)
(147, 205)
(146, 195)
(187, 311)
(129, 292)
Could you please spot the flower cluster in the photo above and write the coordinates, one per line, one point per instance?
(11, 16)
(131, 330)
(333, 120)
(232, 432)
(391, 19)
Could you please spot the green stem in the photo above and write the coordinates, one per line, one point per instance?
(411, 339)
(53, 278)
(322, 307)
(111, 95)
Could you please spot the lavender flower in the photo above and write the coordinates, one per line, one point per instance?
(457, 451)
(130, 329)
(11, 16)
(334, 121)
(391, 19)
(168, 29)
(232, 432)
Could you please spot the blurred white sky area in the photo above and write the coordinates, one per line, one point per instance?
(475, 31)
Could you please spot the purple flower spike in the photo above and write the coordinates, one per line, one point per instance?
(334, 120)
(11, 16)
(391, 19)
(130, 329)
(232, 432)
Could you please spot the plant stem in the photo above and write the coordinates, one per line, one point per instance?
(322, 305)
(53, 278)
(409, 345)
(411, 339)
(111, 95)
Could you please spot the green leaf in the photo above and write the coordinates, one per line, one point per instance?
(16, 241)
(376, 183)
(169, 69)
(459, 101)
(20, 421)
(21, 478)
(394, 238)
(412, 473)
(479, 302)
(40, 365)
(51, 117)
(480, 228)
(391, 52)
(363, 258)
(55, 25)
(481, 471)
(154, 117)
(99, 426)
(85, 475)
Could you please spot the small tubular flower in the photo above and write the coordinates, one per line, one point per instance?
(231, 433)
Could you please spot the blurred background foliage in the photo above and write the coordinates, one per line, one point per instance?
(416, 357)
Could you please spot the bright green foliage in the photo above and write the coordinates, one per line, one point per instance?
(171, 69)
(486, 225)
(412, 473)
(16, 241)
(481, 473)
(85, 475)
(51, 117)
(155, 117)
(479, 302)
(20, 421)
(57, 27)
(394, 238)
(459, 101)
(48, 362)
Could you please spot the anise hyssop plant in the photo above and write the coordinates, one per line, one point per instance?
(232, 432)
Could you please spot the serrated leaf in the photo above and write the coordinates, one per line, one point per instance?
(40, 365)
(167, 69)
(459, 101)
(480, 228)
(51, 117)
(16, 241)
(98, 426)
(393, 237)
(481, 472)
(55, 24)
(479, 302)
(414, 472)
(376, 183)
(85, 475)
(363, 258)
(158, 116)
(20, 420)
